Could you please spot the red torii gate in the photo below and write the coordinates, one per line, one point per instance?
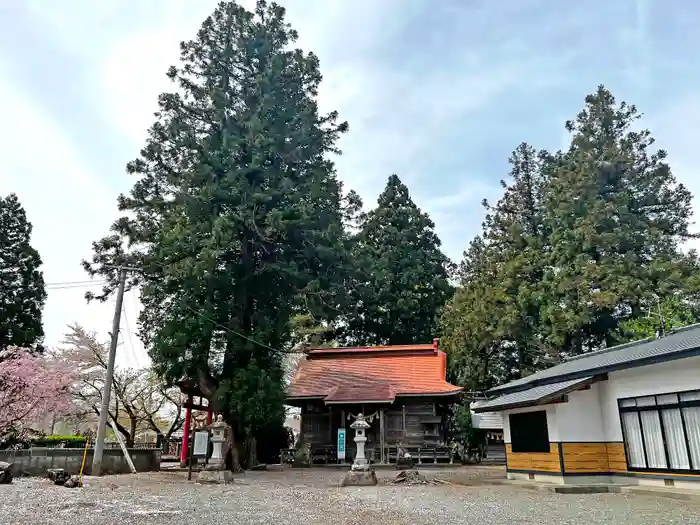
(194, 401)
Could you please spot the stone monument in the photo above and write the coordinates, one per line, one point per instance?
(360, 473)
(216, 471)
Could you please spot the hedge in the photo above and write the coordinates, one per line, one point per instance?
(55, 441)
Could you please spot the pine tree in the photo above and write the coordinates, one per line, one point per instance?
(403, 276)
(22, 290)
(238, 215)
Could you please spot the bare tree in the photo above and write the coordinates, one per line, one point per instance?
(139, 400)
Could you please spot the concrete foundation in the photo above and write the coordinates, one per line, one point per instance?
(36, 461)
(614, 480)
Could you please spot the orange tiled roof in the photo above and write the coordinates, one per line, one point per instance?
(371, 373)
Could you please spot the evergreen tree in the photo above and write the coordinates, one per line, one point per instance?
(492, 327)
(617, 217)
(579, 253)
(238, 216)
(22, 290)
(402, 274)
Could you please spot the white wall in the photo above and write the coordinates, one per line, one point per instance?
(663, 378)
(592, 415)
(580, 419)
(552, 426)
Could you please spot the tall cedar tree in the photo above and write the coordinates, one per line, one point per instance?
(22, 290)
(616, 217)
(491, 326)
(403, 275)
(237, 216)
(582, 247)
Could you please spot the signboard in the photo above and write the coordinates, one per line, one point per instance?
(341, 443)
(201, 442)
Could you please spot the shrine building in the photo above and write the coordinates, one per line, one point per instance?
(402, 391)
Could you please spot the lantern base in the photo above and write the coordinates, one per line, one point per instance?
(224, 476)
(359, 478)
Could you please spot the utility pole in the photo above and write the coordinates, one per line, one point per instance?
(104, 409)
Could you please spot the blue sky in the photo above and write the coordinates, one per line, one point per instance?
(438, 92)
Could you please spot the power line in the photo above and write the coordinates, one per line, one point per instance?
(263, 345)
(74, 287)
(243, 336)
(131, 340)
(85, 282)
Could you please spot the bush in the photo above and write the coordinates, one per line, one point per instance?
(59, 442)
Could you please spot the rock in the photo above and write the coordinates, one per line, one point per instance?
(410, 477)
(5, 473)
(73, 482)
(359, 478)
(57, 475)
(224, 476)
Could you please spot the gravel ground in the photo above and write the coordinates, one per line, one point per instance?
(312, 497)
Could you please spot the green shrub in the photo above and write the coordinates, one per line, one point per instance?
(57, 441)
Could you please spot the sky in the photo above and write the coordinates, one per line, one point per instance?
(438, 92)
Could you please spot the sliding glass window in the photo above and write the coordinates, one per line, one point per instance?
(662, 432)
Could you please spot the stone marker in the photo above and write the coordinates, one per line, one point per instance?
(5, 472)
(216, 471)
(360, 473)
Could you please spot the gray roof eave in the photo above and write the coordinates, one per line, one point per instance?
(546, 398)
(584, 372)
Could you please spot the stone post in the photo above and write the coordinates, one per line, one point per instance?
(216, 471)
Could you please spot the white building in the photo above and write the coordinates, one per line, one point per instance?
(626, 414)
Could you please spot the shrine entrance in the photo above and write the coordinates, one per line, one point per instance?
(192, 399)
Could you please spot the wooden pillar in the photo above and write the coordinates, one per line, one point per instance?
(186, 432)
(330, 425)
(404, 423)
(382, 432)
(210, 413)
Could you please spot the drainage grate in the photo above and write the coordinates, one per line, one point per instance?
(530, 475)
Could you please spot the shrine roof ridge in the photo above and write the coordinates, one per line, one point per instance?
(431, 348)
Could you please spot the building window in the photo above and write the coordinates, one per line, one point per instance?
(528, 432)
(662, 432)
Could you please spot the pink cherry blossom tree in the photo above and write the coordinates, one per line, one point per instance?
(32, 387)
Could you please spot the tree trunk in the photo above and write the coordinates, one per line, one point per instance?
(230, 451)
(132, 432)
(252, 451)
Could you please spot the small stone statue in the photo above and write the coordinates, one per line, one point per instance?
(403, 458)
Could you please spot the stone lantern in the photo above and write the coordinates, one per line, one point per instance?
(360, 473)
(360, 425)
(215, 471)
